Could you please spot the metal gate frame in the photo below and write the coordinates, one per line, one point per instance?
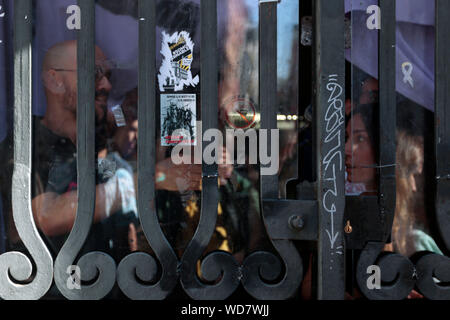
(320, 219)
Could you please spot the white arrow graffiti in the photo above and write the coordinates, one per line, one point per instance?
(334, 119)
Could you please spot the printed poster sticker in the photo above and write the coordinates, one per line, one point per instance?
(178, 54)
(178, 119)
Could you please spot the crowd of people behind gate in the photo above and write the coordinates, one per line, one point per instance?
(116, 226)
(117, 230)
(412, 229)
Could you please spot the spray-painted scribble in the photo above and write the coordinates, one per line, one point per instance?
(333, 161)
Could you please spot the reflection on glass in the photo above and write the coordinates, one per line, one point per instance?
(360, 149)
(116, 229)
(414, 227)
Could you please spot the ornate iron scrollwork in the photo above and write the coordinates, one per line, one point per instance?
(136, 272)
(218, 268)
(261, 269)
(15, 267)
(434, 270)
(396, 273)
(433, 276)
(96, 267)
(396, 270)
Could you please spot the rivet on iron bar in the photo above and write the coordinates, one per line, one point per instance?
(296, 222)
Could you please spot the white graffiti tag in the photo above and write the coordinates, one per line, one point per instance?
(333, 162)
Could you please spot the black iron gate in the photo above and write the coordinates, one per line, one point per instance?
(347, 232)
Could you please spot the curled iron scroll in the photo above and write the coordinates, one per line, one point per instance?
(219, 270)
(397, 273)
(262, 269)
(17, 264)
(262, 272)
(15, 267)
(433, 276)
(137, 272)
(98, 268)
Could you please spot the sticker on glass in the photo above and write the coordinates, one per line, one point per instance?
(178, 119)
(178, 53)
(119, 116)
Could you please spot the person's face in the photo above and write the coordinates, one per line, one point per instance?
(359, 153)
(102, 85)
(126, 139)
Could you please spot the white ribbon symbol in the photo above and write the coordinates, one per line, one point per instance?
(407, 69)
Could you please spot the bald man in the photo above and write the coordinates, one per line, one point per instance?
(55, 188)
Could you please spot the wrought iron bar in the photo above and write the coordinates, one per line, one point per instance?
(328, 103)
(141, 265)
(262, 269)
(394, 267)
(96, 267)
(220, 269)
(15, 267)
(387, 115)
(433, 276)
(442, 118)
(434, 266)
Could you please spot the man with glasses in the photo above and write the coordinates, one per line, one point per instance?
(55, 188)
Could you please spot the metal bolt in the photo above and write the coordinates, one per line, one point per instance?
(296, 223)
(348, 228)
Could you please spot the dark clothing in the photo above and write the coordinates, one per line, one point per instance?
(55, 171)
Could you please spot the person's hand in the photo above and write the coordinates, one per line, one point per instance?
(226, 168)
(132, 238)
(188, 177)
(182, 177)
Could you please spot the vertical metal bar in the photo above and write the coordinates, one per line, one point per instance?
(393, 264)
(329, 92)
(223, 264)
(387, 115)
(209, 109)
(442, 118)
(147, 121)
(147, 106)
(268, 85)
(253, 280)
(86, 113)
(15, 266)
(86, 175)
(133, 266)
